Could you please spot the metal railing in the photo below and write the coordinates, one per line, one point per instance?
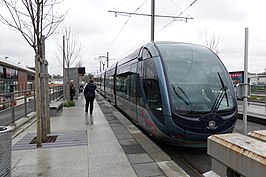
(56, 93)
(16, 105)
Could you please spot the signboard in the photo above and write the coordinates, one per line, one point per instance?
(10, 73)
(81, 71)
(237, 77)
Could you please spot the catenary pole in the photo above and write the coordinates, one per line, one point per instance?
(153, 16)
(245, 100)
(107, 59)
(64, 71)
(152, 19)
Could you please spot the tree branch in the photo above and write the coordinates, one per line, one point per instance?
(32, 18)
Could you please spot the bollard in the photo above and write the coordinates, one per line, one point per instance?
(5, 151)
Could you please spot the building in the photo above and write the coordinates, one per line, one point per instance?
(14, 78)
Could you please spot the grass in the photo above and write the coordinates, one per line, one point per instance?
(69, 103)
(254, 98)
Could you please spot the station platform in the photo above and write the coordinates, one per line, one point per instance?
(256, 112)
(98, 145)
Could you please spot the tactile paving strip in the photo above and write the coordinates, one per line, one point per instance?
(141, 162)
(147, 169)
(64, 139)
(133, 149)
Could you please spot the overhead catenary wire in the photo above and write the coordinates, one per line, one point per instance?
(172, 20)
(188, 7)
(178, 6)
(120, 4)
(123, 27)
(169, 23)
(165, 26)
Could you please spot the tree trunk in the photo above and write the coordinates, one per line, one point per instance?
(38, 102)
(47, 100)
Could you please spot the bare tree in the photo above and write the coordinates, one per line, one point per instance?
(70, 50)
(32, 19)
(79, 63)
(35, 20)
(212, 42)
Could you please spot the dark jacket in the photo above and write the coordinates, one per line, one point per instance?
(72, 89)
(89, 91)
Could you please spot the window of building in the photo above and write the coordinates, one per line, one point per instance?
(1, 72)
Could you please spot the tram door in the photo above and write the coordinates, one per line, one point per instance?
(133, 90)
(139, 94)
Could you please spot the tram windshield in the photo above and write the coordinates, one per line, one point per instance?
(197, 79)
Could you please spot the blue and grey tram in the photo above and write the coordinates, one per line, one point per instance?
(179, 93)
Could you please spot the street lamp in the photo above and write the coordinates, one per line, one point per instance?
(103, 58)
(103, 64)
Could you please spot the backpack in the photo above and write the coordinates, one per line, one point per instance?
(89, 94)
(89, 89)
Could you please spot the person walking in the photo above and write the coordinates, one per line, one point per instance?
(72, 90)
(89, 93)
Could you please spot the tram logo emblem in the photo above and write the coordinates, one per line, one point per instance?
(212, 124)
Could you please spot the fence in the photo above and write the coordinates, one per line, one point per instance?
(16, 105)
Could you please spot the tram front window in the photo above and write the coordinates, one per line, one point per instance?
(197, 79)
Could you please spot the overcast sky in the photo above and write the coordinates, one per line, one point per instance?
(98, 31)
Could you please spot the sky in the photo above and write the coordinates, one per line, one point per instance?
(100, 31)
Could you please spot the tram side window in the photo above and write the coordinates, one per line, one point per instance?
(134, 83)
(108, 82)
(150, 83)
(149, 66)
(152, 93)
(122, 85)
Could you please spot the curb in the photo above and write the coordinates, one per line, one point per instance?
(22, 124)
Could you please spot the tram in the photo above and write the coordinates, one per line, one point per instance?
(179, 93)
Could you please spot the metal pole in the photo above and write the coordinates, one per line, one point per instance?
(13, 108)
(53, 93)
(100, 66)
(265, 93)
(64, 71)
(152, 19)
(25, 103)
(107, 59)
(34, 98)
(245, 100)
